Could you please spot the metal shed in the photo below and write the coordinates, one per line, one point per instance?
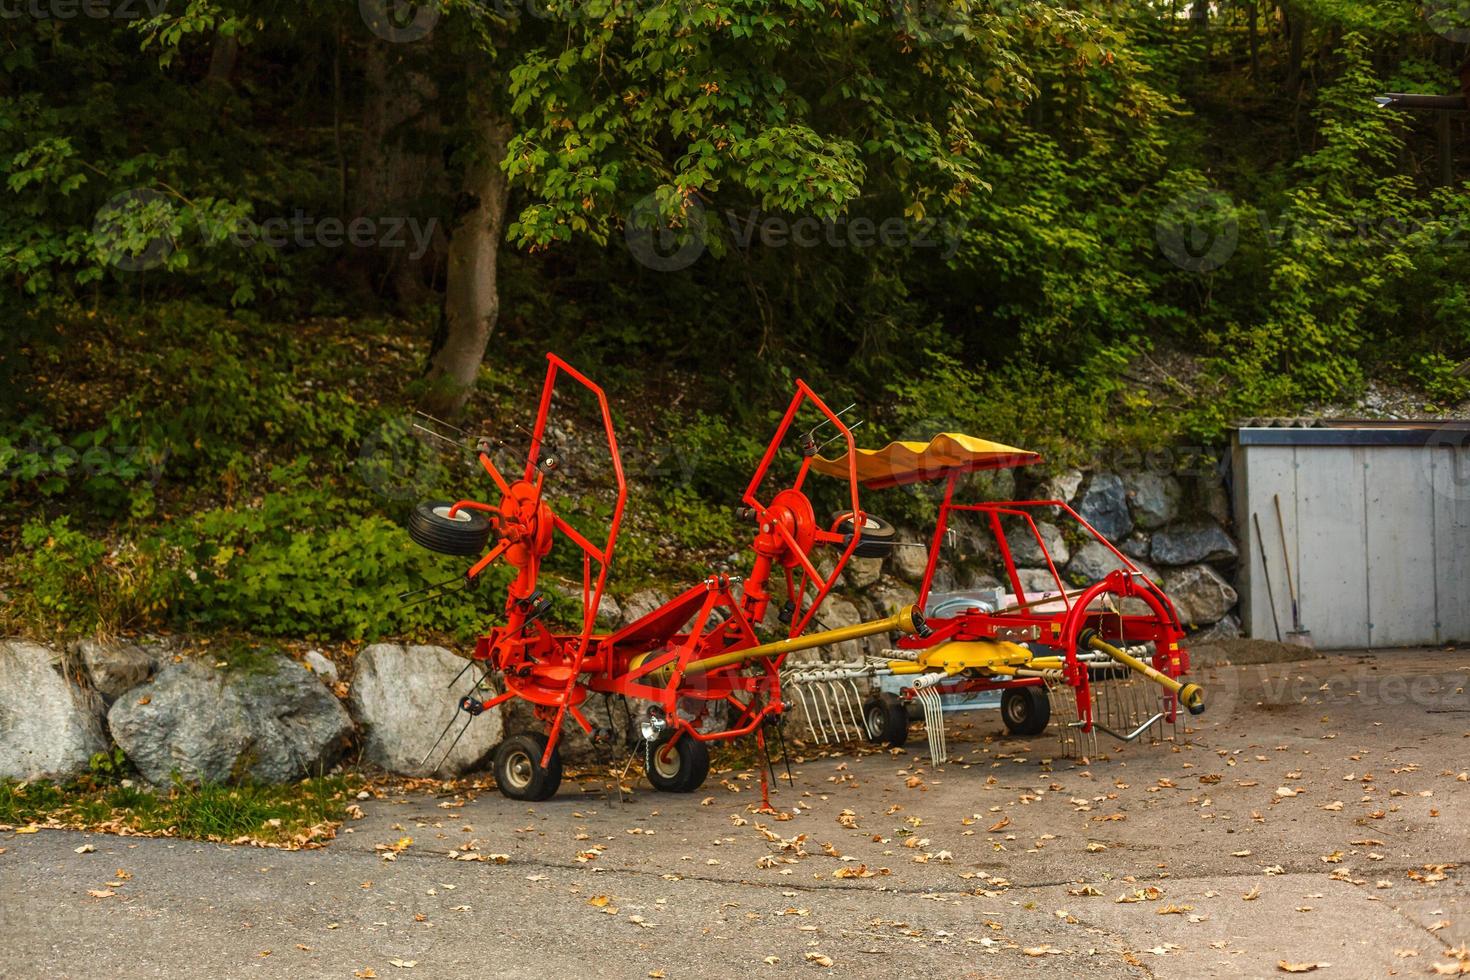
(1377, 521)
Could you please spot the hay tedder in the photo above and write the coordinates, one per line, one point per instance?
(697, 666)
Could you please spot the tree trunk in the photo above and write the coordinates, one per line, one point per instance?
(471, 294)
(395, 176)
(1253, 15)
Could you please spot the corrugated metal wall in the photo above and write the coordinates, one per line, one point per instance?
(1378, 535)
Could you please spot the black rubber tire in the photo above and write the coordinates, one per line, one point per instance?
(1025, 710)
(878, 538)
(518, 771)
(886, 719)
(465, 535)
(677, 767)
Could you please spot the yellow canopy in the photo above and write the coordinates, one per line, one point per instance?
(948, 453)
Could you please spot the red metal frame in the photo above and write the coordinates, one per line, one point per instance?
(1057, 629)
(555, 671)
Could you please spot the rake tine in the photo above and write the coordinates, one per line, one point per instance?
(806, 708)
(452, 719)
(467, 665)
(453, 745)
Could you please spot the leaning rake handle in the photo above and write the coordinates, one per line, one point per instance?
(1296, 618)
(1266, 568)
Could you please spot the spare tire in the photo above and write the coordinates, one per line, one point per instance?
(878, 535)
(465, 534)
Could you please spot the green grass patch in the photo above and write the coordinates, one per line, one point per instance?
(297, 815)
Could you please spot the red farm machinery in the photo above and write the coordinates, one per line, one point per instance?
(698, 666)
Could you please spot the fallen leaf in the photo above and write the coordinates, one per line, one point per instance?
(86, 849)
(818, 959)
(404, 964)
(1286, 967)
(1000, 824)
(101, 893)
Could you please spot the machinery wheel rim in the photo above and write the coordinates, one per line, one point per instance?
(1016, 710)
(875, 721)
(519, 769)
(462, 517)
(666, 761)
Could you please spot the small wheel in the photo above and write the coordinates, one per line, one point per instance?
(878, 535)
(518, 770)
(465, 534)
(1025, 710)
(677, 766)
(887, 720)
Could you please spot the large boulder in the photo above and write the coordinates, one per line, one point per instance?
(1036, 581)
(271, 722)
(116, 667)
(50, 725)
(910, 558)
(1189, 544)
(1026, 551)
(403, 697)
(1200, 595)
(1154, 498)
(1227, 628)
(1104, 505)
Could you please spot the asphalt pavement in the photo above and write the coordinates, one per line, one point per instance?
(1318, 816)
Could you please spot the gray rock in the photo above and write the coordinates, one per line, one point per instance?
(1063, 486)
(1187, 544)
(1215, 501)
(862, 572)
(1199, 594)
(910, 558)
(1094, 560)
(1104, 505)
(1136, 545)
(1154, 498)
(608, 610)
(50, 726)
(274, 724)
(1026, 551)
(640, 604)
(402, 698)
(1227, 628)
(835, 613)
(1036, 581)
(322, 667)
(118, 667)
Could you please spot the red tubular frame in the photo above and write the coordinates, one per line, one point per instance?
(1059, 630)
(556, 671)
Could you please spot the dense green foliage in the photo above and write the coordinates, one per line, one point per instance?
(1070, 226)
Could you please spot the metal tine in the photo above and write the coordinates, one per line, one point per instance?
(856, 425)
(806, 708)
(819, 699)
(438, 421)
(854, 712)
(811, 433)
(840, 701)
(830, 723)
(814, 715)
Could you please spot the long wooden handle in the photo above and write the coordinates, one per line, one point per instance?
(1285, 551)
